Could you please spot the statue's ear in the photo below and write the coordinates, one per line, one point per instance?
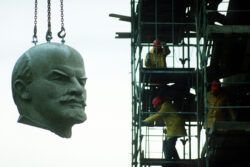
(22, 90)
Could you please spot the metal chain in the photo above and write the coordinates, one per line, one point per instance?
(34, 38)
(61, 34)
(49, 33)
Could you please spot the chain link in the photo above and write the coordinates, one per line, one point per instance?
(61, 34)
(35, 40)
(49, 33)
(62, 13)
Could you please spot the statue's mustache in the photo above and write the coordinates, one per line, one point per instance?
(67, 99)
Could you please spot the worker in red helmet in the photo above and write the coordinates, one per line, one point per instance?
(156, 58)
(217, 99)
(175, 128)
(156, 44)
(218, 109)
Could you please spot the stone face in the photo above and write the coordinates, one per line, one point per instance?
(48, 87)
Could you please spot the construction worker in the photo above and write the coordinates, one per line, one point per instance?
(156, 58)
(175, 128)
(217, 99)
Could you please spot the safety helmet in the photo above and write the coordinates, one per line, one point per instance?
(156, 101)
(215, 86)
(156, 43)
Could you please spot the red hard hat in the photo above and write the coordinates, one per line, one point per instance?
(156, 43)
(215, 86)
(156, 101)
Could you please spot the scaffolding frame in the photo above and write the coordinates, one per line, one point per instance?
(138, 42)
(200, 26)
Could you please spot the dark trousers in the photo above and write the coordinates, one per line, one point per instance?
(169, 149)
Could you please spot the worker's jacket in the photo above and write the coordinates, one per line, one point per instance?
(154, 60)
(174, 123)
(214, 112)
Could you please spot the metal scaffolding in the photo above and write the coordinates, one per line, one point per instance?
(208, 40)
(167, 21)
(187, 27)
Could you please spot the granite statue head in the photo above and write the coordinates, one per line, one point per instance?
(48, 88)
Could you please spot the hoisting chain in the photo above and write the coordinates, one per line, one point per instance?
(35, 40)
(61, 34)
(49, 33)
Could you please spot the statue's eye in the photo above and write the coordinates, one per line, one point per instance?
(56, 76)
(60, 77)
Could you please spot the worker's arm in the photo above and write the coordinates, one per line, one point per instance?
(164, 108)
(166, 50)
(152, 118)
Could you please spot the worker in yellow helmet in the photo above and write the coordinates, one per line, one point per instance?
(156, 58)
(166, 111)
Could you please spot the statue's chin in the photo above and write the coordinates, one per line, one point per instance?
(78, 117)
(82, 118)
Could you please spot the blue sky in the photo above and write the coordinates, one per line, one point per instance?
(104, 139)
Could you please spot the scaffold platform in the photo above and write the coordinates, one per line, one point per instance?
(167, 75)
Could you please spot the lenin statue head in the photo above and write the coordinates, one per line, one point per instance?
(48, 88)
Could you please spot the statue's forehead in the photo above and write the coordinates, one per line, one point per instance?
(47, 57)
(45, 50)
(53, 52)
